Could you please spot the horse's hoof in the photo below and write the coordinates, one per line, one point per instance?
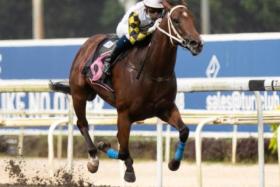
(93, 164)
(174, 165)
(102, 146)
(129, 176)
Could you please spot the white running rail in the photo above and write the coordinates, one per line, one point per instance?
(189, 116)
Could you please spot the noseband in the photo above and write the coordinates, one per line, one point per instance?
(171, 28)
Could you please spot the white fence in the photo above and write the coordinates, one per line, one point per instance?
(200, 117)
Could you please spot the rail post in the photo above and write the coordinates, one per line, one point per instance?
(51, 145)
(278, 144)
(159, 154)
(167, 143)
(59, 143)
(20, 141)
(260, 139)
(234, 144)
(70, 136)
(198, 139)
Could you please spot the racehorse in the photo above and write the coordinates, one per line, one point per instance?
(144, 85)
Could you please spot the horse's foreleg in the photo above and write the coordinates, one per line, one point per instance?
(79, 103)
(124, 125)
(173, 118)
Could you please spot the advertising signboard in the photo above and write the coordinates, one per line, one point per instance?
(242, 55)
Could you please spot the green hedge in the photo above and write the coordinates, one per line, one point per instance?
(213, 150)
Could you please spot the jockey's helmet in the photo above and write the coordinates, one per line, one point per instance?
(153, 3)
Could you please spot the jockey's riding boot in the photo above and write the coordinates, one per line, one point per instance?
(122, 44)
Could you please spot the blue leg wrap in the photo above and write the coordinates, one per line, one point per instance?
(180, 151)
(112, 153)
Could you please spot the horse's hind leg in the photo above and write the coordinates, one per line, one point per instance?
(173, 118)
(124, 125)
(79, 101)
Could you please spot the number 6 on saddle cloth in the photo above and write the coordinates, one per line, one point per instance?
(108, 50)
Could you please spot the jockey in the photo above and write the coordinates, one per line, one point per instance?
(140, 21)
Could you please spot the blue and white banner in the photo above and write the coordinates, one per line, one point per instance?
(223, 56)
(237, 55)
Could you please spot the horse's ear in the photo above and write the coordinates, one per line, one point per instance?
(166, 5)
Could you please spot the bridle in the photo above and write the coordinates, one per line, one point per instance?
(171, 28)
(178, 38)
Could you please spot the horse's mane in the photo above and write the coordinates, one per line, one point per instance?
(177, 2)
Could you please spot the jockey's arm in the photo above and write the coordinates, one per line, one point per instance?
(135, 34)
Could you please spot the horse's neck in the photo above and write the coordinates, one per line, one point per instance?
(161, 57)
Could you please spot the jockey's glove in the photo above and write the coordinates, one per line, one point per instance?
(154, 27)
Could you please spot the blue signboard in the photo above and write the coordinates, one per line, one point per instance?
(220, 58)
(231, 59)
(38, 62)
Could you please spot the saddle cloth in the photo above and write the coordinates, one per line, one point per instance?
(93, 68)
(96, 62)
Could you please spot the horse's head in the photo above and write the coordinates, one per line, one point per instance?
(181, 27)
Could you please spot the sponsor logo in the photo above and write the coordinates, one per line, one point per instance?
(241, 101)
(213, 67)
(238, 101)
(41, 102)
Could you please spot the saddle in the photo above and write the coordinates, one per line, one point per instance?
(94, 67)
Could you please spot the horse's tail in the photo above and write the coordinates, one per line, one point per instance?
(62, 86)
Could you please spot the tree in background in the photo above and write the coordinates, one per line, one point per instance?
(244, 16)
(72, 18)
(15, 19)
(83, 18)
(111, 14)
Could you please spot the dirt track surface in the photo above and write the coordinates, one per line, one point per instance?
(35, 171)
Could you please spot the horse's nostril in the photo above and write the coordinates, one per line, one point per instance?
(185, 43)
(193, 43)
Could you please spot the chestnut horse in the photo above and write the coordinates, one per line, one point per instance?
(150, 95)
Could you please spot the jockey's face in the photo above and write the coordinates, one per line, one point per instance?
(154, 13)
